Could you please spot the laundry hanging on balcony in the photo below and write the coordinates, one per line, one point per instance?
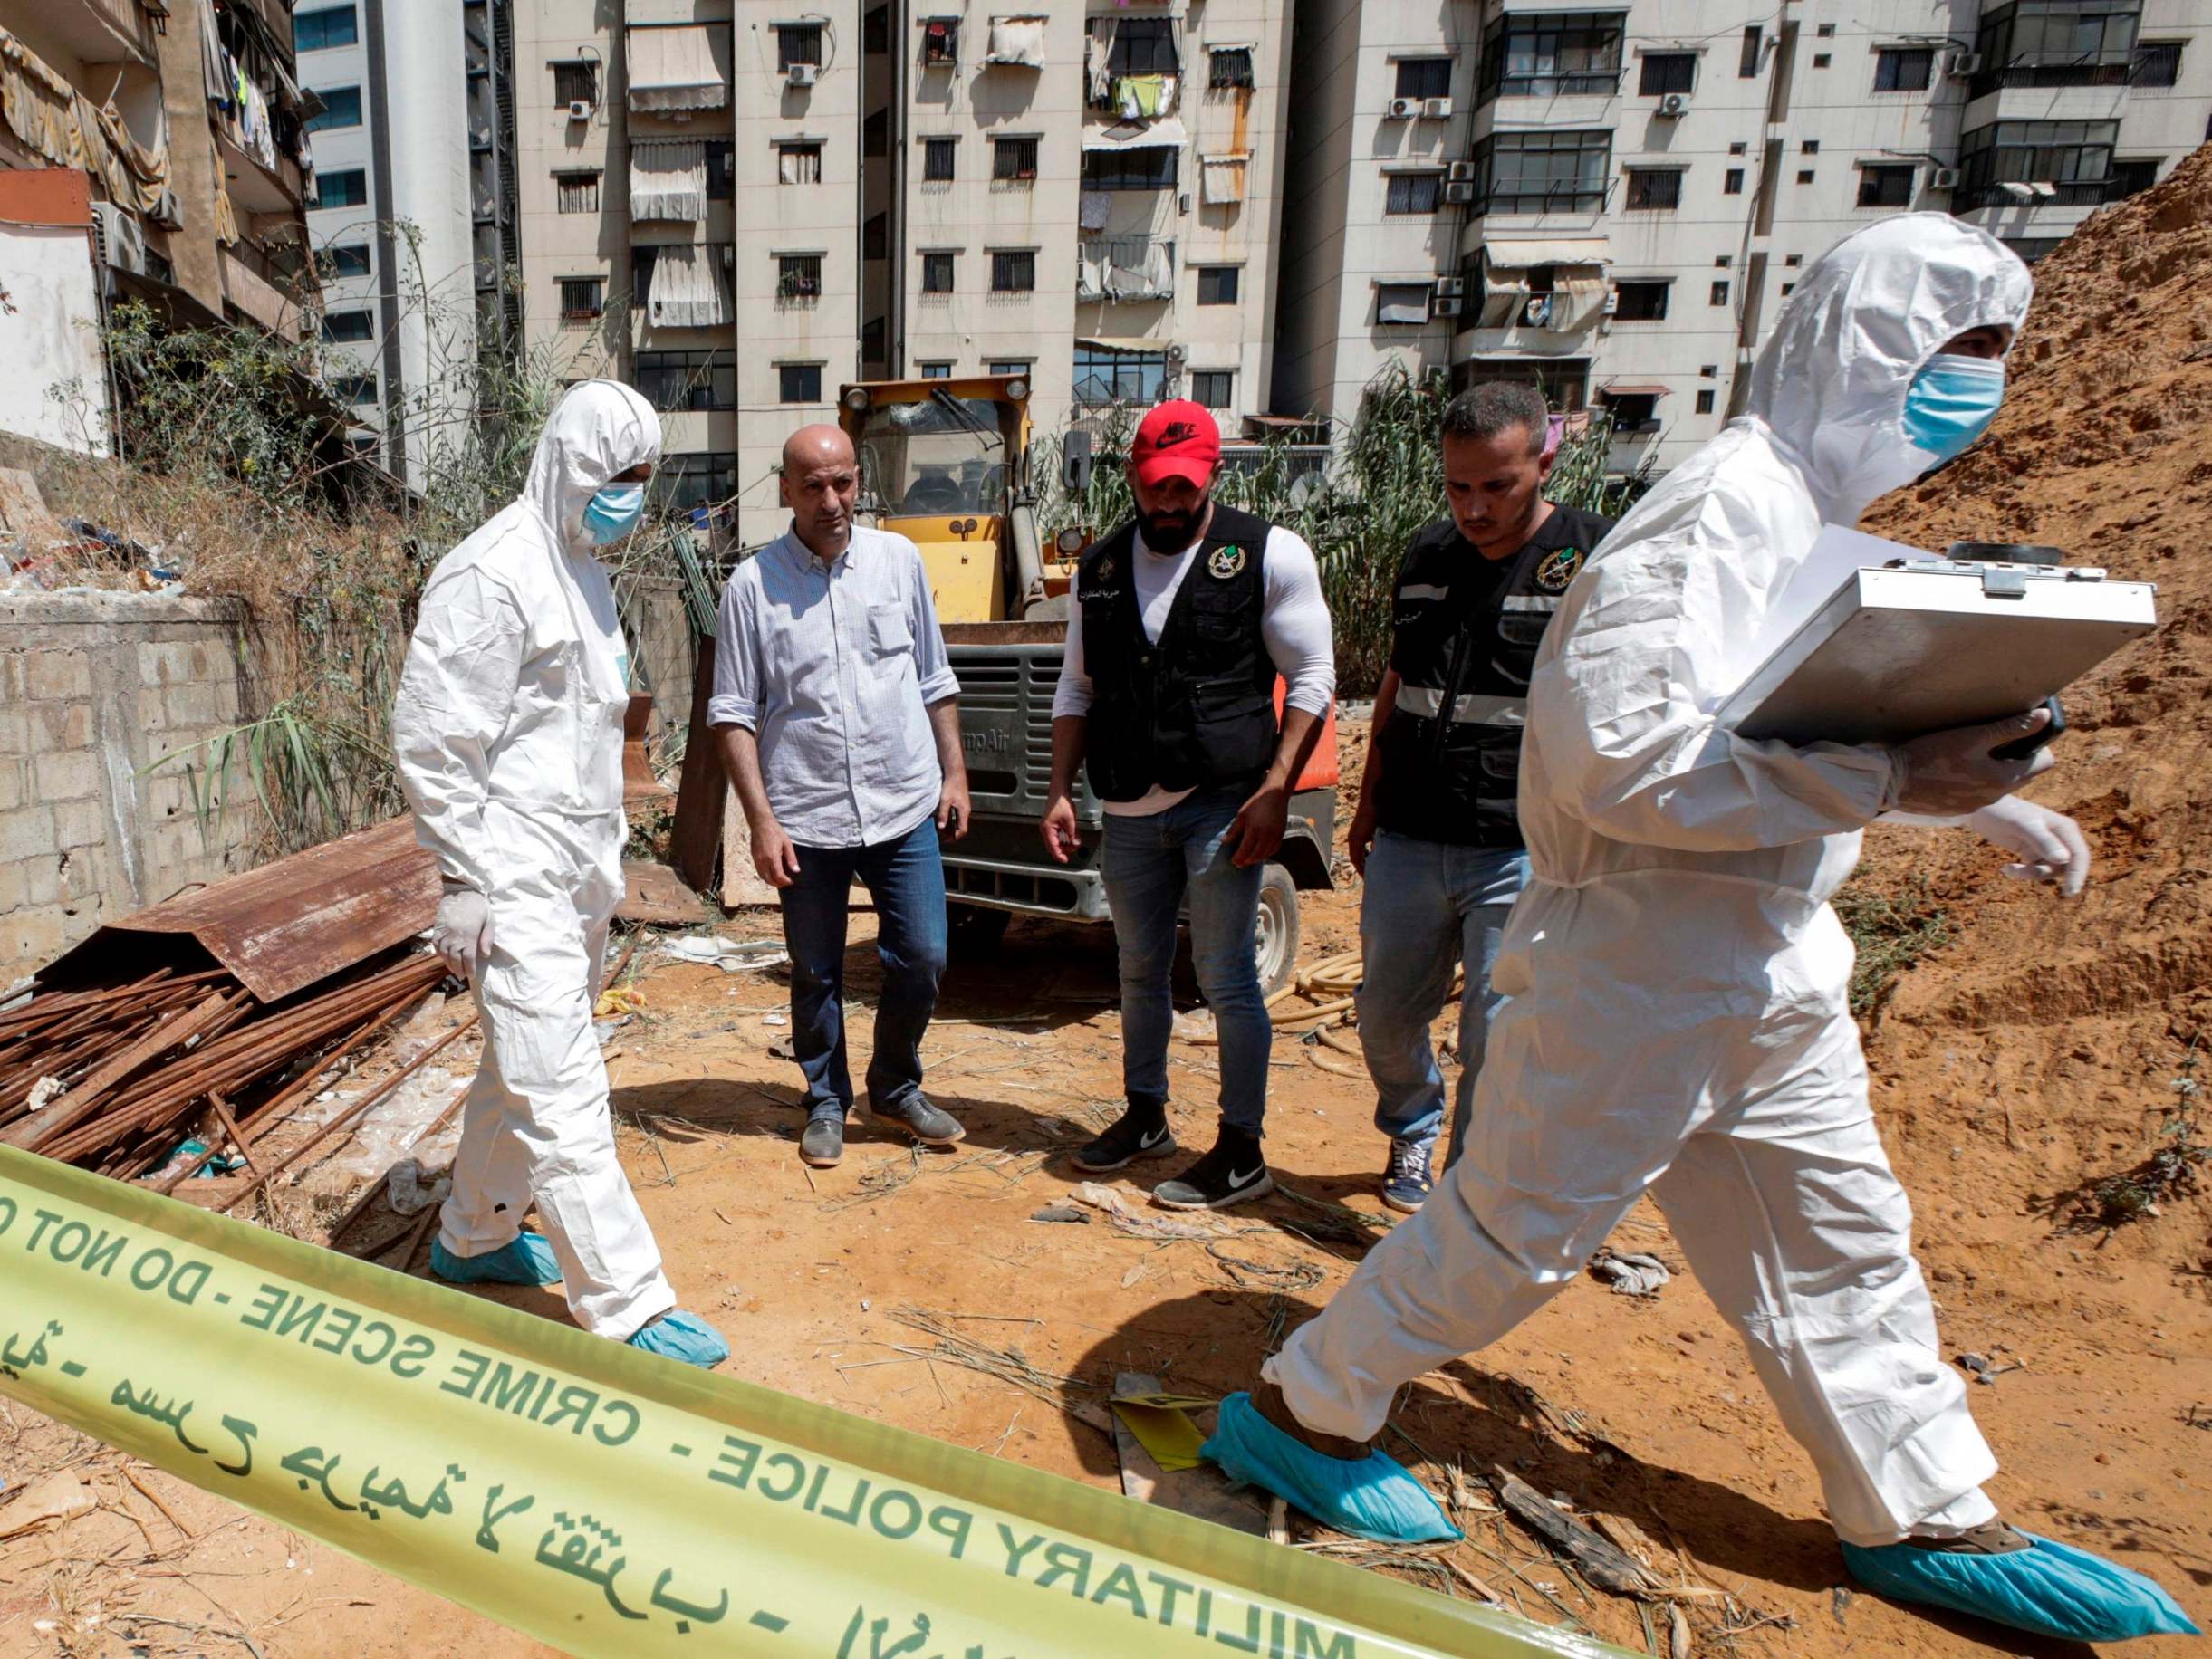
(1514, 298)
(1018, 42)
(1145, 96)
(1091, 209)
(674, 71)
(1124, 268)
(686, 289)
(667, 179)
(53, 120)
(1221, 179)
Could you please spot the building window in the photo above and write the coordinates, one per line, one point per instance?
(1403, 303)
(936, 273)
(1709, 372)
(2156, 63)
(1747, 63)
(875, 236)
(876, 134)
(1811, 147)
(1007, 366)
(1705, 401)
(1723, 261)
(940, 43)
(1792, 261)
(1904, 69)
(874, 333)
(935, 372)
(798, 382)
(1104, 375)
(1825, 31)
(2047, 42)
(1632, 411)
(1654, 189)
(1142, 46)
(1542, 172)
(1738, 147)
(1231, 66)
(876, 30)
(1720, 292)
(346, 187)
(576, 82)
(1014, 270)
(642, 273)
(353, 388)
(2031, 248)
(674, 380)
(1882, 186)
(1641, 301)
(1667, 72)
(1150, 169)
(1217, 285)
(721, 170)
(1014, 159)
(937, 159)
(333, 25)
(1414, 193)
(686, 483)
(577, 192)
(582, 298)
(797, 42)
(2132, 177)
(1213, 388)
(1550, 55)
(798, 164)
(2076, 156)
(1424, 78)
(1804, 174)
(798, 277)
(342, 107)
(1822, 60)
(1732, 182)
(347, 325)
(343, 259)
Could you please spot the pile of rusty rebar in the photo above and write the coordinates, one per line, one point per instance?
(124, 1072)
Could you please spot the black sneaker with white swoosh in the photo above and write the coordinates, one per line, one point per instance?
(1232, 1173)
(1140, 1132)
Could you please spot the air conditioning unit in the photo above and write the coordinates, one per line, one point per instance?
(122, 238)
(1959, 65)
(1436, 108)
(1175, 354)
(1451, 287)
(1444, 306)
(1674, 103)
(1462, 172)
(1943, 178)
(1612, 302)
(579, 109)
(801, 74)
(1404, 108)
(1459, 191)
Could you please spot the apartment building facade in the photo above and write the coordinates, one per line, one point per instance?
(1614, 201)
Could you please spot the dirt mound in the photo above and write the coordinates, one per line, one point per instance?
(2050, 1046)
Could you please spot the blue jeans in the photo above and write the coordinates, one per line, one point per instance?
(1427, 907)
(1150, 865)
(906, 879)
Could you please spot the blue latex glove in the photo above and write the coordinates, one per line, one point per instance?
(1374, 1497)
(678, 1335)
(526, 1259)
(2052, 1589)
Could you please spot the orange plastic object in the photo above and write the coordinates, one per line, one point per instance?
(1321, 769)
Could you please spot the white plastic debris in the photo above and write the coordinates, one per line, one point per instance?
(412, 1189)
(1630, 1275)
(45, 1092)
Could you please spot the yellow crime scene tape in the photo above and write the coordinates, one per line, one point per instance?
(609, 1502)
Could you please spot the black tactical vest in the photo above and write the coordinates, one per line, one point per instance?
(1450, 752)
(1196, 708)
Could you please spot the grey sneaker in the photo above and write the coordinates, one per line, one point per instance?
(924, 1121)
(824, 1143)
(1234, 1172)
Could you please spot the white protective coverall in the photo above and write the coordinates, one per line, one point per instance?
(1678, 1019)
(508, 734)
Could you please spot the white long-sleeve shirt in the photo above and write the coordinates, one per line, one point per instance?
(1293, 626)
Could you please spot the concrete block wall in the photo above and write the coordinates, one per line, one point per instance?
(94, 689)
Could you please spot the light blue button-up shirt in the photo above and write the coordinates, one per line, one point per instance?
(833, 668)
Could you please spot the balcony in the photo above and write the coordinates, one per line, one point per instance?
(94, 31)
(256, 188)
(250, 284)
(2053, 71)
(2073, 193)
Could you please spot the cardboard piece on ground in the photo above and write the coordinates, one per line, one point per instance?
(653, 892)
(1195, 1491)
(1161, 1423)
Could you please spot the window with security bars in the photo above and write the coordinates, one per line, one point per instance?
(1641, 301)
(1654, 189)
(798, 43)
(1886, 185)
(1213, 388)
(1152, 168)
(576, 82)
(1414, 193)
(1550, 54)
(1705, 401)
(1227, 67)
(2132, 177)
(937, 156)
(1667, 72)
(798, 382)
(582, 298)
(1543, 171)
(1013, 159)
(1217, 285)
(1142, 46)
(2156, 63)
(936, 273)
(576, 192)
(1904, 69)
(1424, 78)
(687, 380)
(1014, 270)
(798, 277)
(2055, 42)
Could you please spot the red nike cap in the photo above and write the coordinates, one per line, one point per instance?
(1178, 439)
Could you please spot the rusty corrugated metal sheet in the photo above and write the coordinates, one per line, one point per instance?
(287, 925)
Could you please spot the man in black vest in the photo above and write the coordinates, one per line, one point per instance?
(1185, 618)
(1435, 835)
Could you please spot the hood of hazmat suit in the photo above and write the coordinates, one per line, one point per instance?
(1677, 1019)
(508, 733)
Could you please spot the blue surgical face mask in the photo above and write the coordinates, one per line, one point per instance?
(612, 511)
(1951, 402)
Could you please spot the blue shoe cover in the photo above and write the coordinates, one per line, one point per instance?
(678, 1335)
(526, 1259)
(1373, 1498)
(2052, 1589)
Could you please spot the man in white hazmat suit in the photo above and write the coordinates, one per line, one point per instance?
(508, 734)
(1678, 1021)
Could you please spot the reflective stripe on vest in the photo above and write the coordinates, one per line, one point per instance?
(1472, 708)
(1545, 602)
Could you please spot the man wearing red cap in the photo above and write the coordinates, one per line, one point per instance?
(1186, 617)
